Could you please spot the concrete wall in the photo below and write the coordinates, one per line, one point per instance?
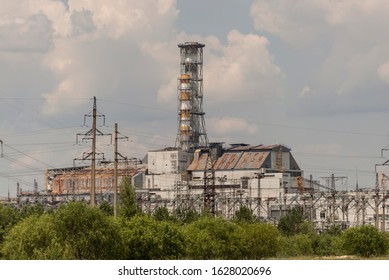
(167, 162)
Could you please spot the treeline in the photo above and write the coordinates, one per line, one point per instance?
(77, 231)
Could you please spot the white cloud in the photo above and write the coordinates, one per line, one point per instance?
(347, 40)
(141, 18)
(109, 49)
(245, 69)
(242, 69)
(227, 126)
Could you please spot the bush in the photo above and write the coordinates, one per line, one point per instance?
(296, 245)
(8, 218)
(34, 238)
(261, 241)
(213, 238)
(88, 233)
(147, 239)
(365, 241)
(244, 214)
(327, 244)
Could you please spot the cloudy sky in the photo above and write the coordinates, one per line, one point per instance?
(310, 74)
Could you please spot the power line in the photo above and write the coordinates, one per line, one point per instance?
(46, 164)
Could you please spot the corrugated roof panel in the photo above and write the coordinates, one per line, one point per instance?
(227, 161)
(234, 160)
(198, 164)
(252, 160)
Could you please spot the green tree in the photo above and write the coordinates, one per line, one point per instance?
(260, 240)
(36, 209)
(162, 214)
(213, 238)
(326, 244)
(88, 233)
(365, 241)
(128, 206)
(186, 216)
(294, 222)
(106, 208)
(244, 214)
(34, 238)
(9, 216)
(147, 239)
(296, 245)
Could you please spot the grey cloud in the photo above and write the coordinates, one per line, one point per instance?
(34, 34)
(82, 22)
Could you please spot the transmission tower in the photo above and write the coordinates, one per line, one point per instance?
(91, 135)
(117, 155)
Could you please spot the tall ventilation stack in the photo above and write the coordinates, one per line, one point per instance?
(191, 125)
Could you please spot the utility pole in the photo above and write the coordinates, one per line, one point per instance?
(92, 135)
(311, 200)
(117, 154)
(116, 173)
(259, 176)
(209, 184)
(93, 165)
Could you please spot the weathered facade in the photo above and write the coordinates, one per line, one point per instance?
(77, 180)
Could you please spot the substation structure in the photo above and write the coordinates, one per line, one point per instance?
(322, 208)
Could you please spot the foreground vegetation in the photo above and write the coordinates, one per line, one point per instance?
(76, 231)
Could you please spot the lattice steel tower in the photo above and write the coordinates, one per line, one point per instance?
(191, 124)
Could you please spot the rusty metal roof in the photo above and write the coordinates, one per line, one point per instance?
(227, 161)
(198, 164)
(252, 160)
(240, 160)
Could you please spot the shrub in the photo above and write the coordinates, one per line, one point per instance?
(327, 245)
(365, 241)
(147, 239)
(34, 238)
(261, 241)
(213, 238)
(296, 245)
(88, 233)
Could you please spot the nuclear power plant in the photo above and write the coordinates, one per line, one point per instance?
(199, 175)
